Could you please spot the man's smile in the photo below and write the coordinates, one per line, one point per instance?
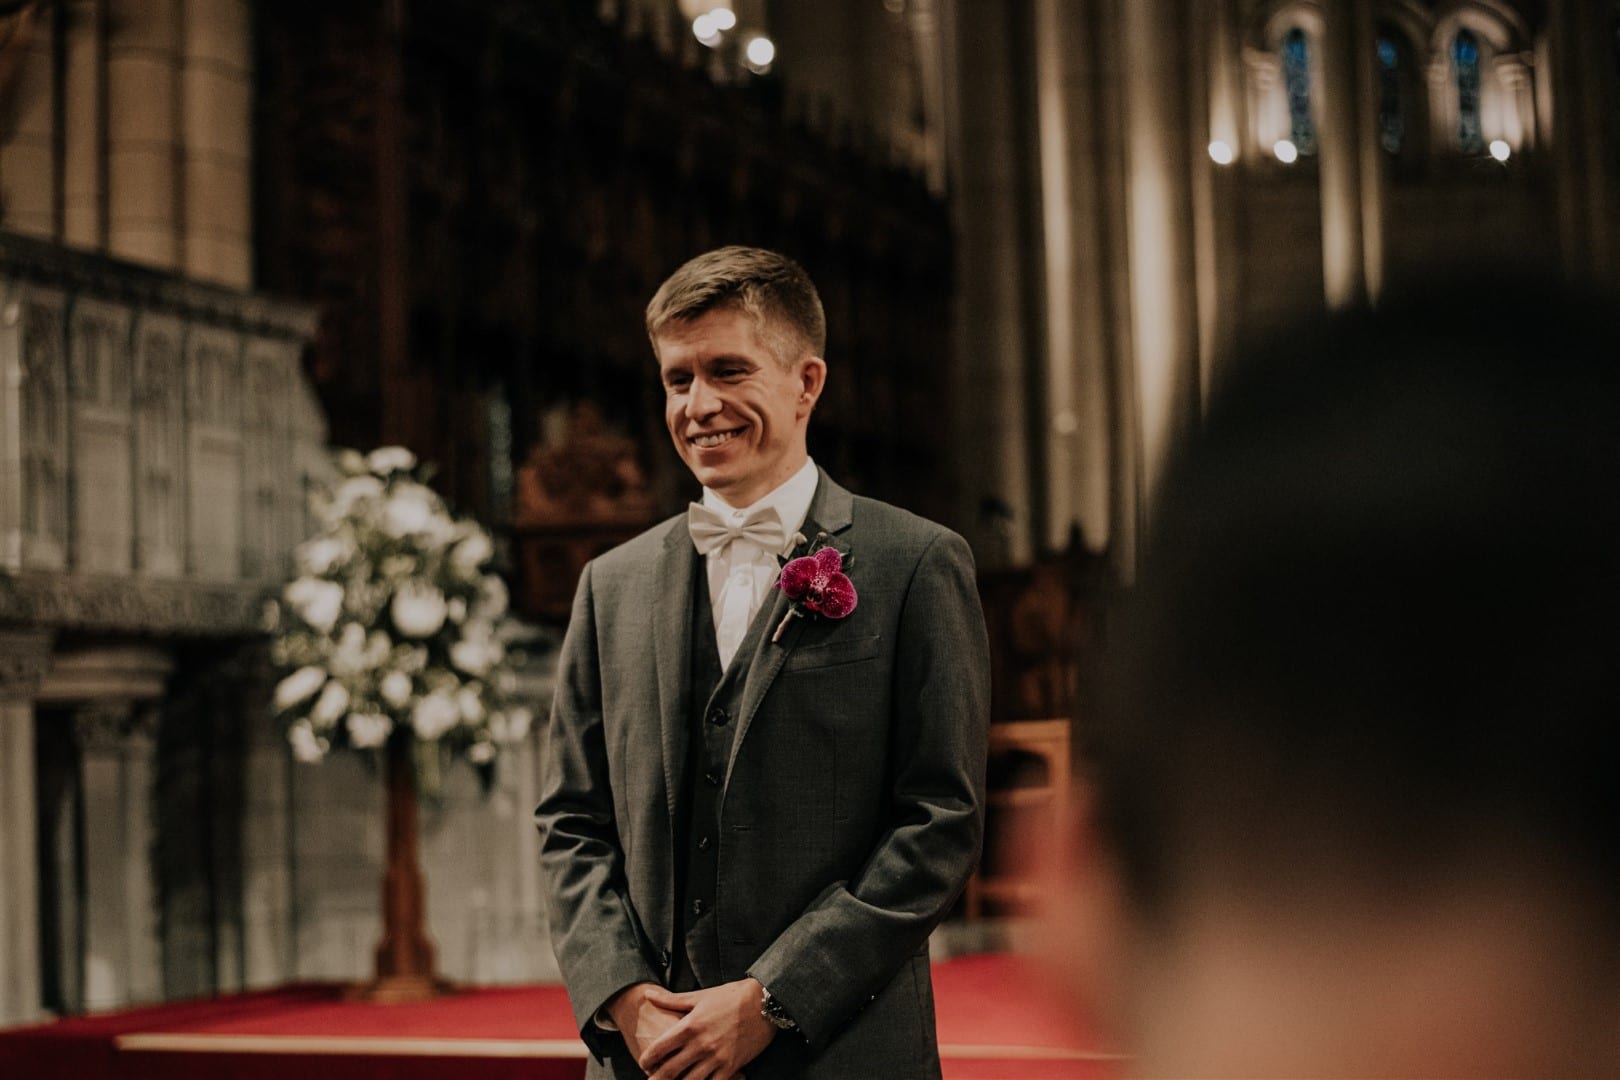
(710, 440)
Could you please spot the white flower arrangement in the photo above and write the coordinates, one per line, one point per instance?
(393, 627)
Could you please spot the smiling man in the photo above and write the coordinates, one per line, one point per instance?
(756, 806)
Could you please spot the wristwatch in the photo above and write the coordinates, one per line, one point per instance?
(772, 1010)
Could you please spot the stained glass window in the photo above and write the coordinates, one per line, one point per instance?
(1296, 57)
(1391, 103)
(1465, 66)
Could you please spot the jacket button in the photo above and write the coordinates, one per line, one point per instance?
(663, 959)
(703, 843)
(698, 907)
(711, 778)
(718, 717)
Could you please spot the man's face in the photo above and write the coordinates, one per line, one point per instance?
(736, 414)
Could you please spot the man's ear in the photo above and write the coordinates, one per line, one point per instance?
(812, 378)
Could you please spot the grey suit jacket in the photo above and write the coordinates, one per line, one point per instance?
(852, 806)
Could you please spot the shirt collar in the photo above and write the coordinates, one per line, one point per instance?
(791, 499)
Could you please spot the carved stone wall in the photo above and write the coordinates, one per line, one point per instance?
(155, 441)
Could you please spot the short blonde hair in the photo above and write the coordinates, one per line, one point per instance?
(773, 289)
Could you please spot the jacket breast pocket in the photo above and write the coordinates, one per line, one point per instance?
(833, 653)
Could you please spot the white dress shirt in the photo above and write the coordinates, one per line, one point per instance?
(741, 573)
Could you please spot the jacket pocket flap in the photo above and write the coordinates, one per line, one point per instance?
(831, 653)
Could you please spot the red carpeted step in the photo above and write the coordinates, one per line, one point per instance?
(995, 1021)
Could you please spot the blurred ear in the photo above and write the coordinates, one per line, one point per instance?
(1085, 926)
(812, 376)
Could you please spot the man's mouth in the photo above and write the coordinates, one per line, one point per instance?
(711, 440)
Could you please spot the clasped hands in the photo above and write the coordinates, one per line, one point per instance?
(707, 1034)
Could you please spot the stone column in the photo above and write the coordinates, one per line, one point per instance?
(1220, 117)
(142, 193)
(28, 173)
(1339, 143)
(84, 124)
(1585, 99)
(121, 954)
(1075, 411)
(1374, 161)
(216, 131)
(995, 332)
(24, 658)
(1059, 425)
(1164, 318)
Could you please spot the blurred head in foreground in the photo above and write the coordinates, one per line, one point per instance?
(1352, 801)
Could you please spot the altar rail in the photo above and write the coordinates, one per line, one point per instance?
(157, 437)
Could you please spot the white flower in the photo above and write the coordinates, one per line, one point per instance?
(411, 508)
(368, 730)
(397, 566)
(481, 753)
(456, 610)
(475, 657)
(473, 552)
(330, 706)
(511, 726)
(319, 556)
(396, 689)
(418, 609)
(493, 597)
(270, 617)
(387, 459)
(306, 745)
(298, 686)
(317, 602)
(350, 655)
(378, 646)
(352, 462)
(470, 704)
(352, 491)
(411, 659)
(434, 715)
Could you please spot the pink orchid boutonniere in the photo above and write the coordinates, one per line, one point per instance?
(817, 585)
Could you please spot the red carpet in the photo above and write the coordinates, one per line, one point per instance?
(992, 1026)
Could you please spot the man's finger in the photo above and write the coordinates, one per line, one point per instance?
(666, 1044)
(676, 1065)
(668, 999)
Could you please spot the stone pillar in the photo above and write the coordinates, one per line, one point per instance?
(84, 126)
(1513, 75)
(995, 332)
(1374, 161)
(142, 193)
(121, 955)
(268, 955)
(24, 658)
(1339, 143)
(1075, 410)
(1164, 320)
(1585, 101)
(1218, 84)
(1059, 425)
(28, 172)
(216, 95)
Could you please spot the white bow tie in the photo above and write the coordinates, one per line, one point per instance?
(710, 529)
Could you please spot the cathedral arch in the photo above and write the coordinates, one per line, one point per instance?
(1482, 78)
(1282, 60)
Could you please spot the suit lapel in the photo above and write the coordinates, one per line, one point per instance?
(830, 513)
(672, 654)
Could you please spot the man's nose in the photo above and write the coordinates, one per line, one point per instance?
(701, 400)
